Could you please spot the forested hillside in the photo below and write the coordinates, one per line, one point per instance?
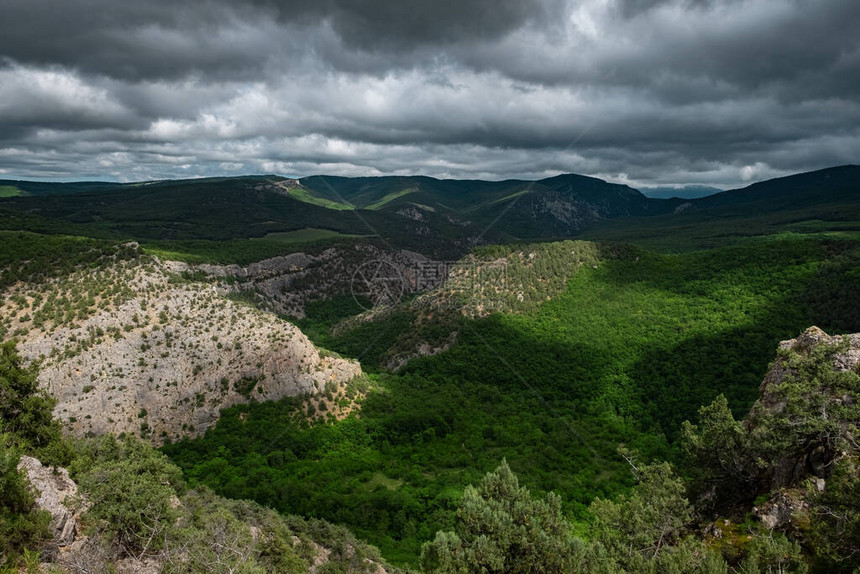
(776, 492)
(131, 510)
(244, 219)
(631, 348)
(571, 405)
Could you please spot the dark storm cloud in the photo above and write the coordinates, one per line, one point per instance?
(381, 24)
(131, 40)
(168, 39)
(652, 91)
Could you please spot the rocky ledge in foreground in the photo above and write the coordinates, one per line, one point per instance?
(806, 426)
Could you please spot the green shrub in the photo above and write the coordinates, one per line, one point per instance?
(502, 528)
(131, 488)
(25, 409)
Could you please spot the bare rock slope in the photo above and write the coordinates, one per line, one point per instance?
(132, 347)
(286, 283)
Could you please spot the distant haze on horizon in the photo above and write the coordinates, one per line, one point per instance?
(652, 93)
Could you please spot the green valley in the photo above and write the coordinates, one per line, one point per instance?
(629, 351)
(576, 387)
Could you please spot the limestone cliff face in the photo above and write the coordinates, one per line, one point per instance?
(133, 348)
(285, 284)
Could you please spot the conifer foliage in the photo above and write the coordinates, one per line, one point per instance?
(502, 528)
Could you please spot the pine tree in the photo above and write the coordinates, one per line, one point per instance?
(24, 408)
(502, 528)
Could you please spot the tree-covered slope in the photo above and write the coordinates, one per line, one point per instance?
(820, 203)
(130, 509)
(174, 214)
(439, 217)
(625, 353)
(833, 185)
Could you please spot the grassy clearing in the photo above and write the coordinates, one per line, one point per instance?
(305, 235)
(10, 191)
(390, 197)
(305, 196)
(496, 201)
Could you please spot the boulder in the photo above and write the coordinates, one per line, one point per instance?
(784, 508)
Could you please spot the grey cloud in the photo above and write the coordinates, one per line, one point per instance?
(633, 8)
(407, 23)
(167, 39)
(156, 39)
(719, 49)
(655, 91)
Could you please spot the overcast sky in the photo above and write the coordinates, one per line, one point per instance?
(647, 92)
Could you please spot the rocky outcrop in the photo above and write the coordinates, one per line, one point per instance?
(280, 265)
(411, 212)
(845, 360)
(814, 456)
(804, 423)
(135, 348)
(786, 507)
(56, 493)
(324, 557)
(285, 284)
(423, 349)
(71, 551)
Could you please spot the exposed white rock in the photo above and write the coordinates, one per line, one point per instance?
(286, 283)
(55, 493)
(163, 356)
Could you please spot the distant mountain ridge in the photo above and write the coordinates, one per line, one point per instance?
(814, 187)
(439, 217)
(684, 192)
